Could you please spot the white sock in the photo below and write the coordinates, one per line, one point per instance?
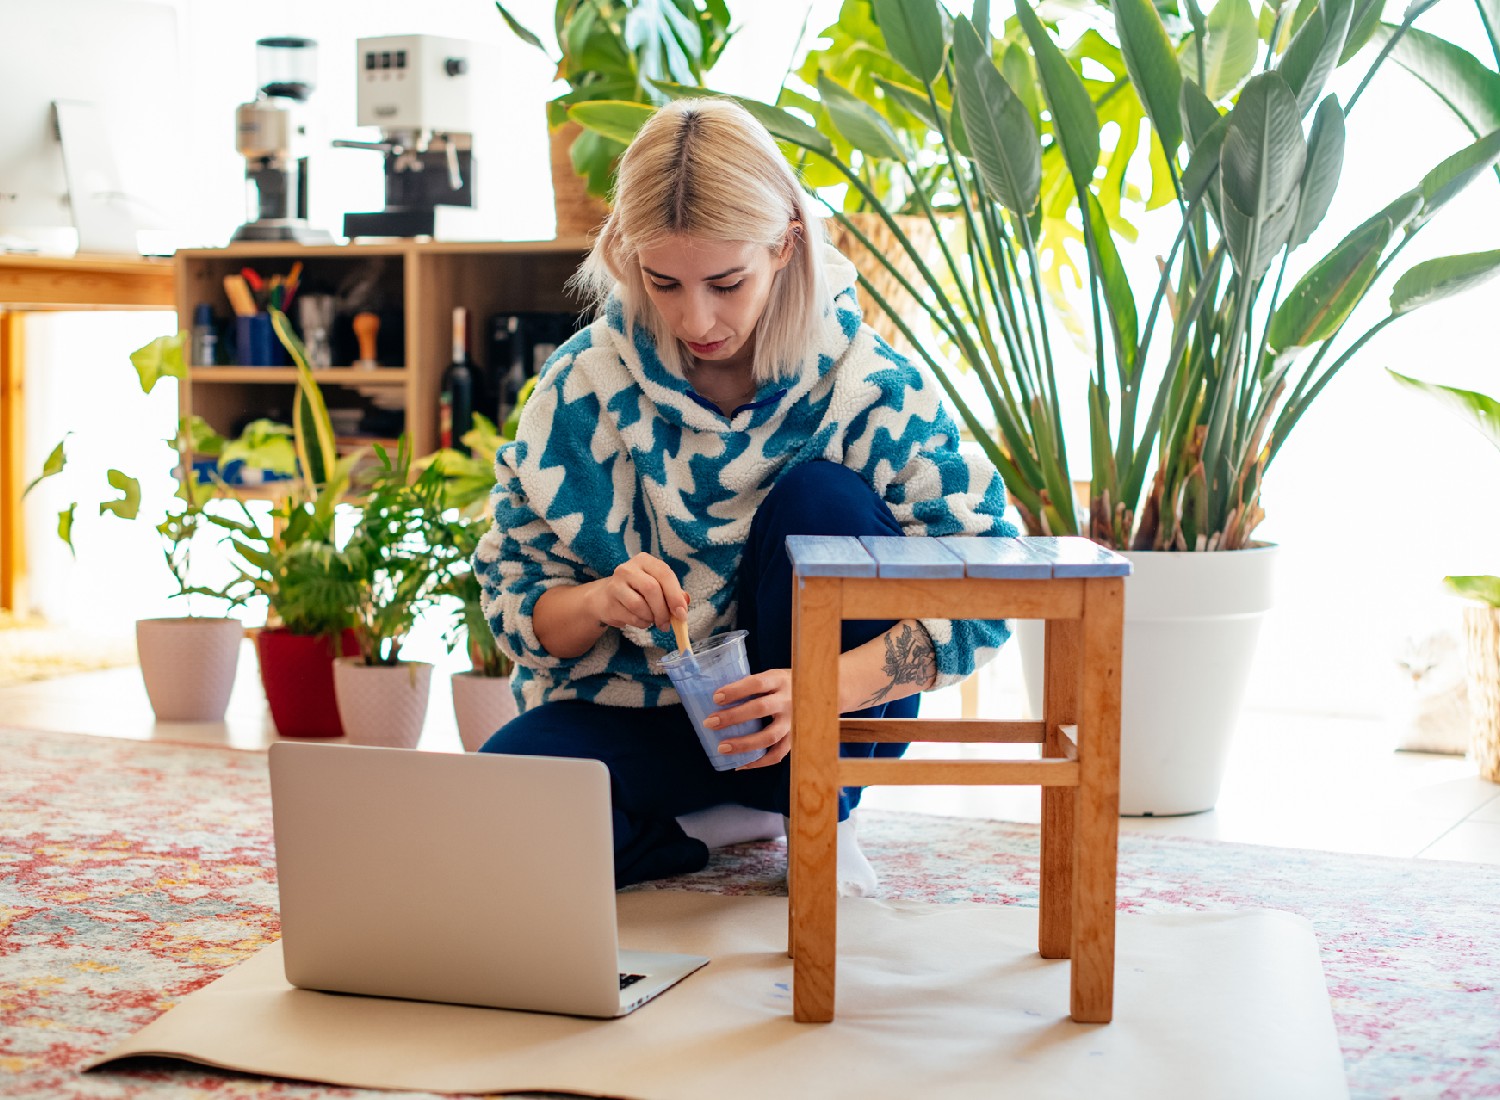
(720, 826)
(856, 877)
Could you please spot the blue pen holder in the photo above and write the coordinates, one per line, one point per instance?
(255, 342)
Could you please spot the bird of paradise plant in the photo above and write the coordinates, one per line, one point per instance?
(1190, 398)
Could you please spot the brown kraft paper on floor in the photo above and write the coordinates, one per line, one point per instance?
(933, 1001)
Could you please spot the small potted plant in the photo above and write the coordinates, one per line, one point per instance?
(308, 622)
(188, 662)
(391, 569)
(1482, 594)
(482, 697)
(614, 50)
(309, 619)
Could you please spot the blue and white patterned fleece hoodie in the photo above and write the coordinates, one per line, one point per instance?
(614, 456)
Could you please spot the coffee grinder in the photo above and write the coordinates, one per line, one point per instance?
(270, 134)
(418, 89)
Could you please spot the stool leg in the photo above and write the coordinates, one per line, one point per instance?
(791, 819)
(812, 875)
(1096, 831)
(1059, 708)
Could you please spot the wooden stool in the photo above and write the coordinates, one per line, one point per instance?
(1079, 588)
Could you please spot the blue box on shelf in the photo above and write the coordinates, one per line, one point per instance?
(255, 343)
(235, 473)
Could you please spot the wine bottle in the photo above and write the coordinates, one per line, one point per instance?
(456, 402)
(505, 361)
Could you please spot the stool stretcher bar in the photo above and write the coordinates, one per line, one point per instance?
(881, 772)
(976, 730)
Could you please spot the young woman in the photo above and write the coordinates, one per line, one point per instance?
(726, 396)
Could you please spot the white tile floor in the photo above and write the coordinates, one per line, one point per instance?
(1293, 780)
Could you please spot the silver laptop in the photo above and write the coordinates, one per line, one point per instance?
(472, 879)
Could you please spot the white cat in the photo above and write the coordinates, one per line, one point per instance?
(1431, 711)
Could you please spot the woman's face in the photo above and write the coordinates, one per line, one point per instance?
(712, 293)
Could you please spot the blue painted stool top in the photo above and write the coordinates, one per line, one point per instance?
(1072, 556)
(915, 557)
(1033, 557)
(829, 556)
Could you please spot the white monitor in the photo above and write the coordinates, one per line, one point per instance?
(121, 55)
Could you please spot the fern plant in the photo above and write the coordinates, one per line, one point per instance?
(396, 561)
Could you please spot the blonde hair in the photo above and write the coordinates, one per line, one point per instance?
(706, 168)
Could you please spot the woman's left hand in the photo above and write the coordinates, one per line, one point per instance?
(762, 695)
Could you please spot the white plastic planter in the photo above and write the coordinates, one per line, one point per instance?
(1192, 622)
(188, 665)
(481, 704)
(382, 704)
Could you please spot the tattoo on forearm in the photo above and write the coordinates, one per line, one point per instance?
(909, 659)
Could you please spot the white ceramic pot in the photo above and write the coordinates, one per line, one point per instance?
(382, 704)
(188, 665)
(481, 704)
(1191, 625)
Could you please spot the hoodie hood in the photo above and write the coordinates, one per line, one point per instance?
(667, 396)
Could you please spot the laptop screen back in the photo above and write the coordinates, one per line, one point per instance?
(468, 879)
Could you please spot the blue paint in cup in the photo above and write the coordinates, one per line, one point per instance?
(712, 664)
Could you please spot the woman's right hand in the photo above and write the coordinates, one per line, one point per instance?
(642, 592)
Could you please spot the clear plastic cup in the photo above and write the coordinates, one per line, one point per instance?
(713, 663)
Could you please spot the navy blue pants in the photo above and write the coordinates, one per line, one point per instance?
(658, 770)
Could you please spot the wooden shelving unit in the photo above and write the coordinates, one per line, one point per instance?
(415, 282)
(333, 376)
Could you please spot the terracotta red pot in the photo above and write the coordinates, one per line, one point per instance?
(297, 672)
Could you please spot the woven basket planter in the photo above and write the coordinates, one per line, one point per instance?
(579, 214)
(919, 231)
(1482, 645)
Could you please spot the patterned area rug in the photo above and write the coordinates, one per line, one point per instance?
(132, 874)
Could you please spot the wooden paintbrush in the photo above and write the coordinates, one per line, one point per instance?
(684, 645)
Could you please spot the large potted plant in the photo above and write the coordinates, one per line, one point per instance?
(482, 697)
(287, 560)
(1198, 378)
(1481, 593)
(188, 662)
(614, 50)
(389, 571)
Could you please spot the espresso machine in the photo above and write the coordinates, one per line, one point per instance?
(270, 134)
(418, 89)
